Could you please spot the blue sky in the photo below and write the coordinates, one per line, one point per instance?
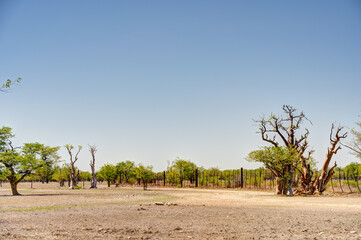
(150, 81)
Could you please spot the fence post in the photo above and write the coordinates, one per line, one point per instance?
(196, 178)
(241, 177)
(245, 182)
(163, 178)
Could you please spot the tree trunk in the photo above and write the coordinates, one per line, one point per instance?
(73, 182)
(14, 186)
(145, 185)
(326, 174)
(93, 183)
(279, 186)
(108, 183)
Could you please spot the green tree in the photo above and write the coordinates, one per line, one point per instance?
(49, 157)
(62, 174)
(353, 169)
(85, 176)
(285, 130)
(108, 172)
(16, 164)
(144, 173)
(185, 170)
(279, 160)
(126, 169)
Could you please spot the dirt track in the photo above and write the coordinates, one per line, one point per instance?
(48, 212)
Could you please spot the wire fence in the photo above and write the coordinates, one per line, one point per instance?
(342, 181)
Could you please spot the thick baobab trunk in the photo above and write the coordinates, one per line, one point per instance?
(14, 186)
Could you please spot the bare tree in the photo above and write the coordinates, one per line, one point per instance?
(355, 144)
(93, 149)
(283, 130)
(326, 173)
(73, 173)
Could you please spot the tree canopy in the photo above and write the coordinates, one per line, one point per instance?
(108, 172)
(16, 163)
(144, 173)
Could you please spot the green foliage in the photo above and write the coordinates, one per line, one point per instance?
(353, 169)
(62, 174)
(126, 170)
(276, 159)
(85, 176)
(145, 173)
(15, 164)
(48, 156)
(181, 170)
(108, 172)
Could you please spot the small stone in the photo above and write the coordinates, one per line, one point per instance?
(321, 233)
(178, 228)
(353, 232)
(159, 203)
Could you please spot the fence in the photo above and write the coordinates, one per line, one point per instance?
(342, 181)
(258, 179)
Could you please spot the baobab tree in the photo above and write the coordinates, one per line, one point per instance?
(93, 149)
(283, 131)
(73, 173)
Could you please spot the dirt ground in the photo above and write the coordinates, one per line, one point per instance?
(50, 212)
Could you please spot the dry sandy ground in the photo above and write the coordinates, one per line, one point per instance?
(48, 212)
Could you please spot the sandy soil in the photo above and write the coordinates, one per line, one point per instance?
(48, 212)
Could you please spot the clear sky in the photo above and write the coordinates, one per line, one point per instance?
(150, 81)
